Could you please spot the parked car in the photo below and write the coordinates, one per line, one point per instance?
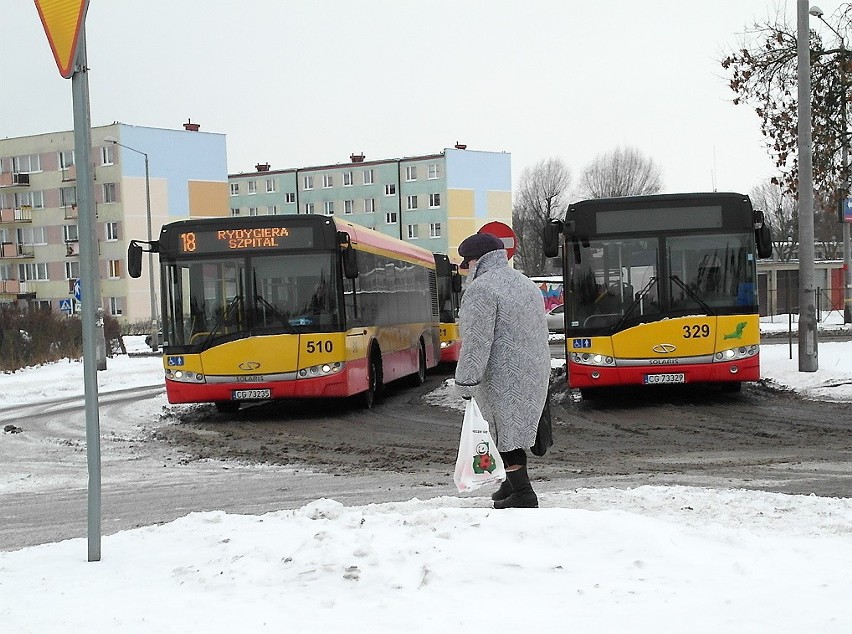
(556, 318)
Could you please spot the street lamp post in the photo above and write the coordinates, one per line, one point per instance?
(808, 359)
(155, 336)
(844, 158)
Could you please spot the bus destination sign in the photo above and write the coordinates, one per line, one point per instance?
(254, 238)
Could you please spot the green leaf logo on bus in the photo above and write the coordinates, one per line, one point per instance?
(738, 331)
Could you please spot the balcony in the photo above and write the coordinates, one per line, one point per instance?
(71, 212)
(9, 215)
(10, 287)
(11, 250)
(69, 173)
(14, 179)
(72, 249)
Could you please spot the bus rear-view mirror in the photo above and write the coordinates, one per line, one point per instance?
(134, 259)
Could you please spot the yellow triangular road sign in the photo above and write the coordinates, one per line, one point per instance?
(62, 21)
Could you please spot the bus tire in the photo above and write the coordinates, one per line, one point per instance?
(590, 393)
(227, 407)
(374, 379)
(732, 388)
(419, 378)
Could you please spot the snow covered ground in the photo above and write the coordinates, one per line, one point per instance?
(646, 559)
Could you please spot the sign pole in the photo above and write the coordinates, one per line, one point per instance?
(89, 291)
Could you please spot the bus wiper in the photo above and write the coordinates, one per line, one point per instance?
(691, 293)
(230, 310)
(639, 297)
(281, 317)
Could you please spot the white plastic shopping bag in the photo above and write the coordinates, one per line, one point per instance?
(478, 462)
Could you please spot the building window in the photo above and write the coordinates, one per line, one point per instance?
(435, 230)
(235, 211)
(412, 202)
(67, 196)
(115, 306)
(347, 179)
(348, 206)
(107, 154)
(31, 236)
(328, 207)
(413, 232)
(270, 185)
(29, 200)
(34, 271)
(109, 192)
(235, 189)
(433, 170)
(114, 269)
(252, 211)
(434, 200)
(309, 208)
(111, 229)
(272, 210)
(26, 164)
(71, 233)
(252, 187)
(72, 270)
(327, 181)
(66, 159)
(369, 205)
(290, 197)
(368, 177)
(390, 190)
(308, 182)
(390, 217)
(411, 173)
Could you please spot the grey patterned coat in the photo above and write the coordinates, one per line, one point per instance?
(505, 358)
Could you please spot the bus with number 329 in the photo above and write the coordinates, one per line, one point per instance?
(661, 289)
(290, 306)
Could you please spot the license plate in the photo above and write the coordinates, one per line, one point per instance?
(248, 395)
(678, 377)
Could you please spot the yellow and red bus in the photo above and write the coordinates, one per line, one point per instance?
(290, 306)
(661, 289)
(449, 300)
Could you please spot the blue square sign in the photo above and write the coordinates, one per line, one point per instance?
(847, 210)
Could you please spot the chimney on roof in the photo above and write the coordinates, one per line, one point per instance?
(357, 158)
(262, 167)
(460, 146)
(190, 126)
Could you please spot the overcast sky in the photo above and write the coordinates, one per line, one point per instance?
(310, 82)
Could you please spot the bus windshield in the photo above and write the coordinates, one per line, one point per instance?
(617, 283)
(216, 300)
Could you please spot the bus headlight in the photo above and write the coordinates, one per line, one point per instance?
(321, 370)
(735, 354)
(592, 358)
(184, 376)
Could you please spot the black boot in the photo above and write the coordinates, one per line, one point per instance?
(522, 496)
(503, 492)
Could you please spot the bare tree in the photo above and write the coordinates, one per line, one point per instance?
(763, 73)
(539, 197)
(781, 211)
(621, 172)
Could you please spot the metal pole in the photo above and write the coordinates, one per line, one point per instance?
(808, 358)
(155, 336)
(89, 288)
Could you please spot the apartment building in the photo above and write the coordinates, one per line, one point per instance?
(182, 172)
(434, 200)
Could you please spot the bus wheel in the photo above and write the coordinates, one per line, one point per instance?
(419, 377)
(227, 407)
(374, 380)
(732, 388)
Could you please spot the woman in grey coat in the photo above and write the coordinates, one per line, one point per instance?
(505, 359)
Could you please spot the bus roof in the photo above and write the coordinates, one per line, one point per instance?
(374, 241)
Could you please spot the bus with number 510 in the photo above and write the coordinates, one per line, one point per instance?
(661, 289)
(290, 306)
